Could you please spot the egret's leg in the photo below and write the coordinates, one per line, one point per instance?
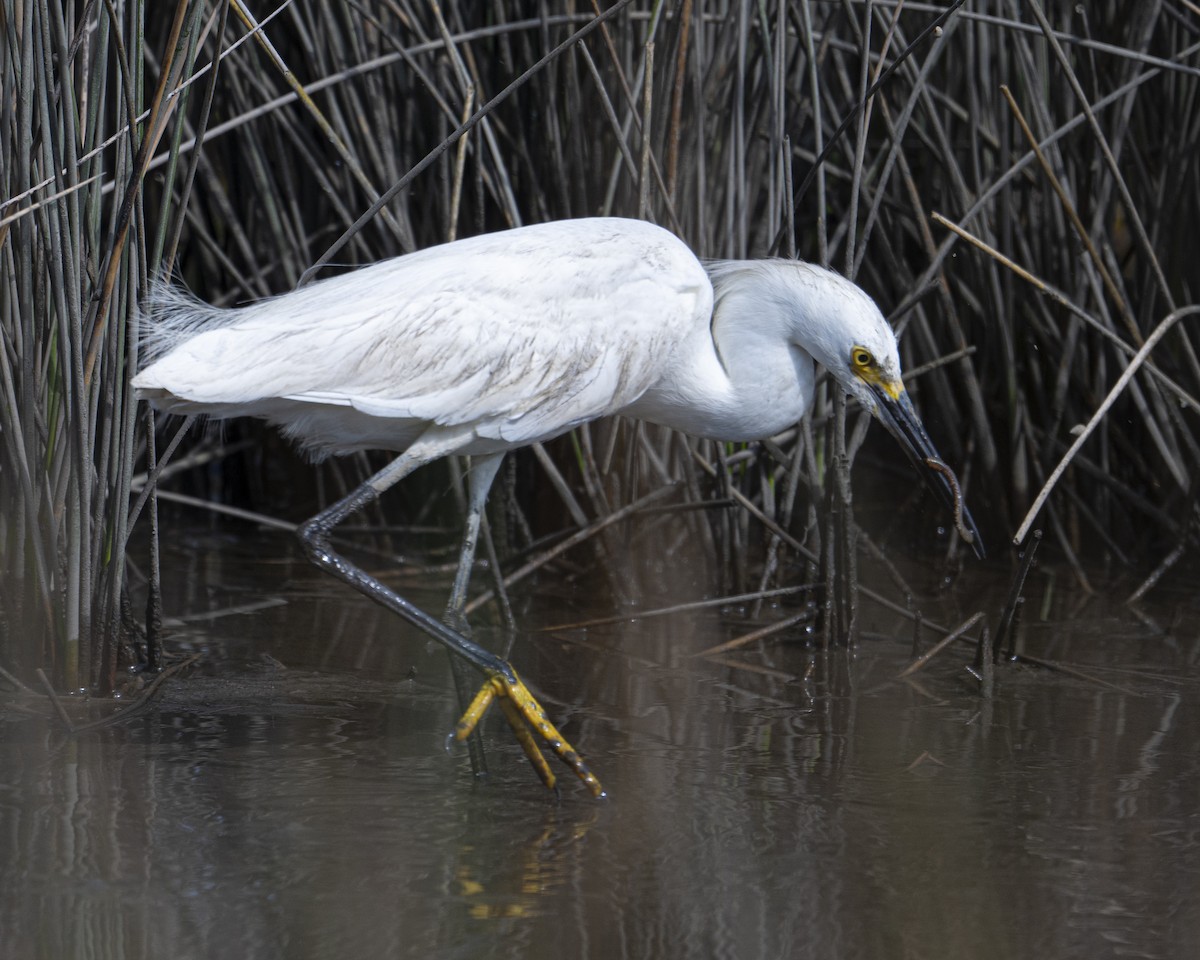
(479, 483)
(502, 681)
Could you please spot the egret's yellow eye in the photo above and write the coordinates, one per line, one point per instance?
(862, 358)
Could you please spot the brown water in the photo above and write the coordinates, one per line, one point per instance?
(292, 798)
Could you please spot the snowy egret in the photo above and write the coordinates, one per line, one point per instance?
(491, 343)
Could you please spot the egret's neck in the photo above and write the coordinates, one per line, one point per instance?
(738, 379)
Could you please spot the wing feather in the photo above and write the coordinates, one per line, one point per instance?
(521, 334)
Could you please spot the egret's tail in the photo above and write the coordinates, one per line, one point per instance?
(171, 315)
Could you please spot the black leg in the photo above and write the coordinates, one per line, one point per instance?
(520, 708)
(314, 535)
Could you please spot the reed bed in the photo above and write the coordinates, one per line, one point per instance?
(1014, 181)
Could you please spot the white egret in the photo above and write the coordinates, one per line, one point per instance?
(491, 343)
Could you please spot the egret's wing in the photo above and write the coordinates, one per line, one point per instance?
(520, 334)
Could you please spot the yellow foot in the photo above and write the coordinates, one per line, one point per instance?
(522, 711)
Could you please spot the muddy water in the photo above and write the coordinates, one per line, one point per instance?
(292, 798)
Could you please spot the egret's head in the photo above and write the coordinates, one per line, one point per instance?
(843, 329)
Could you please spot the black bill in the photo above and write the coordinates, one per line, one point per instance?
(898, 416)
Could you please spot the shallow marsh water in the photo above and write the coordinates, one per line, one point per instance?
(291, 796)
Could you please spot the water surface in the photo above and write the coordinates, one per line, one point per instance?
(290, 795)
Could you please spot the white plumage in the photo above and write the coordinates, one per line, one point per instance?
(520, 336)
(491, 343)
